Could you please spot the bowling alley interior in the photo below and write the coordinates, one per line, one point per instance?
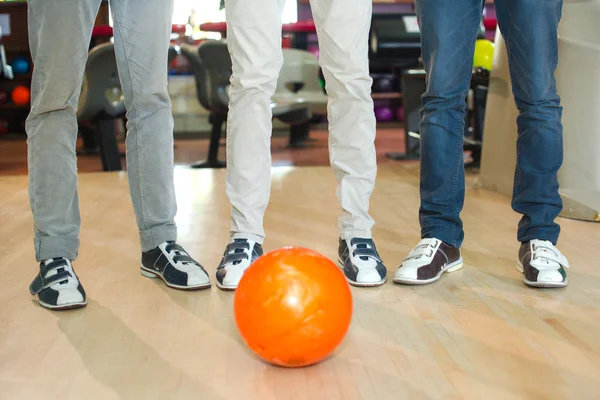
(302, 324)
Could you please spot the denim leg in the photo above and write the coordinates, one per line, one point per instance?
(530, 29)
(448, 32)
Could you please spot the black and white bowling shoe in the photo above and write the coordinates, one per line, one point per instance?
(238, 256)
(542, 264)
(171, 263)
(57, 286)
(427, 262)
(361, 262)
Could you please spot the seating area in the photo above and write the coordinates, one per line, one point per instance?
(298, 97)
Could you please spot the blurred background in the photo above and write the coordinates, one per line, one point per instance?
(300, 134)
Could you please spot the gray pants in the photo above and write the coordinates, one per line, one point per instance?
(59, 36)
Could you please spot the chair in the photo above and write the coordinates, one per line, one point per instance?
(101, 102)
(298, 83)
(394, 40)
(211, 65)
(6, 71)
(217, 116)
(174, 51)
(413, 87)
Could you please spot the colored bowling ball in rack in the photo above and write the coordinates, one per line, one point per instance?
(20, 65)
(484, 54)
(20, 95)
(4, 97)
(383, 85)
(322, 83)
(384, 114)
(3, 127)
(400, 113)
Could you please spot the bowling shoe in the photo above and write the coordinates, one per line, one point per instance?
(237, 257)
(171, 263)
(542, 264)
(361, 262)
(427, 262)
(57, 286)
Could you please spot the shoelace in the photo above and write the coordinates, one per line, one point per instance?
(423, 249)
(179, 254)
(546, 251)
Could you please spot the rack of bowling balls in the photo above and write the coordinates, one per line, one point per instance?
(387, 97)
(15, 95)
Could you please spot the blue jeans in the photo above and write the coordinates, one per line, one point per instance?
(449, 30)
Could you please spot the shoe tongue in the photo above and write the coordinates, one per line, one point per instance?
(362, 246)
(50, 260)
(239, 250)
(58, 270)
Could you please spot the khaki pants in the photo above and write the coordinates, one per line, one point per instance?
(254, 40)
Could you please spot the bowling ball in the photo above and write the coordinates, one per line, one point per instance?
(3, 127)
(286, 42)
(384, 85)
(484, 54)
(20, 65)
(322, 83)
(384, 114)
(4, 97)
(293, 307)
(400, 113)
(20, 95)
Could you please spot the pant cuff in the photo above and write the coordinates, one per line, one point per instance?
(249, 236)
(539, 235)
(47, 247)
(444, 238)
(347, 235)
(151, 238)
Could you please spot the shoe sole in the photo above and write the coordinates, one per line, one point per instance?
(454, 266)
(71, 306)
(225, 288)
(358, 284)
(542, 285)
(153, 274)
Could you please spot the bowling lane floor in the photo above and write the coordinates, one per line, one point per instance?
(478, 333)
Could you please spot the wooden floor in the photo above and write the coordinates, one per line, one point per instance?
(477, 334)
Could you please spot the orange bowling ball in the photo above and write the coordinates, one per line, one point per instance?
(293, 307)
